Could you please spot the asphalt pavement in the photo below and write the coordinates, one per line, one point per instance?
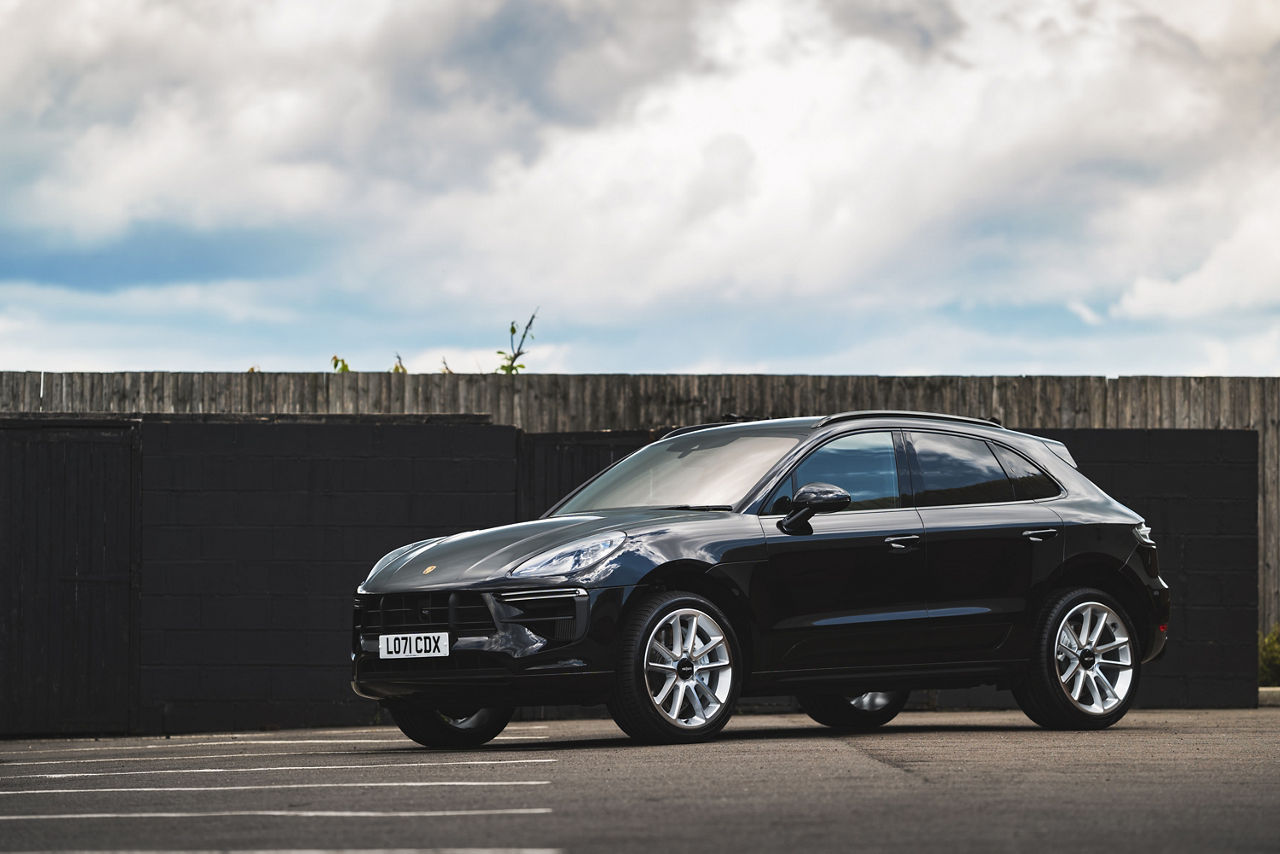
(1158, 781)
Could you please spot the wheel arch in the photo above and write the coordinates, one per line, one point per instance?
(696, 577)
(1106, 573)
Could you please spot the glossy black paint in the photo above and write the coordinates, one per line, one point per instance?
(869, 599)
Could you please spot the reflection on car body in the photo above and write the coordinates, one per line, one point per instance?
(846, 560)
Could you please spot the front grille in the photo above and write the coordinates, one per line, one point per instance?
(460, 614)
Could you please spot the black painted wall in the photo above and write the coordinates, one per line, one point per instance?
(250, 534)
(255, 534)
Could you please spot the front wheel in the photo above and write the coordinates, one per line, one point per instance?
(1085, 663)
(450, 727)
(678, 670)
(860, 712)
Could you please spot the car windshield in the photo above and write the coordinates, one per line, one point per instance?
(711, 468)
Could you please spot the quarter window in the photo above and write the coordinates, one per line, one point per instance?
(958, 470)
(862, 464)
(1029, 482)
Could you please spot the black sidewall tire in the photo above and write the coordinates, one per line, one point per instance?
(630, 703)
(431, 728)
(1039, 693)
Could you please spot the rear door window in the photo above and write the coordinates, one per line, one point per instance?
(1029, 482)
(957, 470)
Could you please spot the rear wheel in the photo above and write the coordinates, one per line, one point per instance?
(678, 671)
(450, 727)
(856, 712)
(1084, 669)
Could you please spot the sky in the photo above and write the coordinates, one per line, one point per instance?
(675, 186)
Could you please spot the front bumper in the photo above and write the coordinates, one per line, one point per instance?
(533, 647)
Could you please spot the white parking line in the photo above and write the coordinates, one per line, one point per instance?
(403, 785)
(71, 774)
(201, 756)
(178, 742)
(222, 743)
(280, 813)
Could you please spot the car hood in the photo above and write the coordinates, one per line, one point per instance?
(490, 554)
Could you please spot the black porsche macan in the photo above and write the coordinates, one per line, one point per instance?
(844, 560)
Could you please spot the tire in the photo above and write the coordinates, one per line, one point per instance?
(675, 690)
(855, 713)
(452, 728)
(1085, 663)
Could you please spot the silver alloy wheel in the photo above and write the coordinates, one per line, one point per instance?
(687, 667)
(1094, 657)
(872, 701)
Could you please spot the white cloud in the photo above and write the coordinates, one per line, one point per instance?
(1240, 273)
(650, 172)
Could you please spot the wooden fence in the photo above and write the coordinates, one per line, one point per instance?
(564, 403)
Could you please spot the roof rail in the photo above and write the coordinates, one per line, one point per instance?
(680, 431)
(900, 413)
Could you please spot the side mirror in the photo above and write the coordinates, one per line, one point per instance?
(810, 499)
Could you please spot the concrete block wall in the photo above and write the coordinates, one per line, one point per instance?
(254, 536)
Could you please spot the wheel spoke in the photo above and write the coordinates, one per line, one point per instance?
(1085, 617)
(694, 700)
(711, 665)
(1123, 665)
(1107, 689)
(677, 700)
(662, 694)
(1091, 679)
(656, 646)
(1078, 685)
(706, 648)
(1097, 630)
(676, 645)
(1071, 671)
(1115, 644)
(1074, 642)
(662, 666)
(691, 637)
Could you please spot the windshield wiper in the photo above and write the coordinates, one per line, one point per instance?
(697, 507)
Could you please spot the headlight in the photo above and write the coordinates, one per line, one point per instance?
(572, 558)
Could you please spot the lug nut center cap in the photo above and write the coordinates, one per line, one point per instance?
(684, 669)
(1088, 659)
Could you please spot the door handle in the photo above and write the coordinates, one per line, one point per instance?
(903, 541)
(1039, 536)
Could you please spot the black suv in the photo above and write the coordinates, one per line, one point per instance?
(845, 560)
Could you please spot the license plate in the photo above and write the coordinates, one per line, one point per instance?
(430, 645)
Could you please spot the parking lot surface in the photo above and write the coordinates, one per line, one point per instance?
(1158, 781)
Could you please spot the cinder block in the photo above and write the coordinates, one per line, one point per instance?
(1162, 691)
(240, 612)
(1207, 553)
(157, 472)
(1219, 588)
(1209, 693)
(1222, 625)
(166, 613)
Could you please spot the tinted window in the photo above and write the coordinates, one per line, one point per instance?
(863, 465)
(1028, 481)
(958, 470)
